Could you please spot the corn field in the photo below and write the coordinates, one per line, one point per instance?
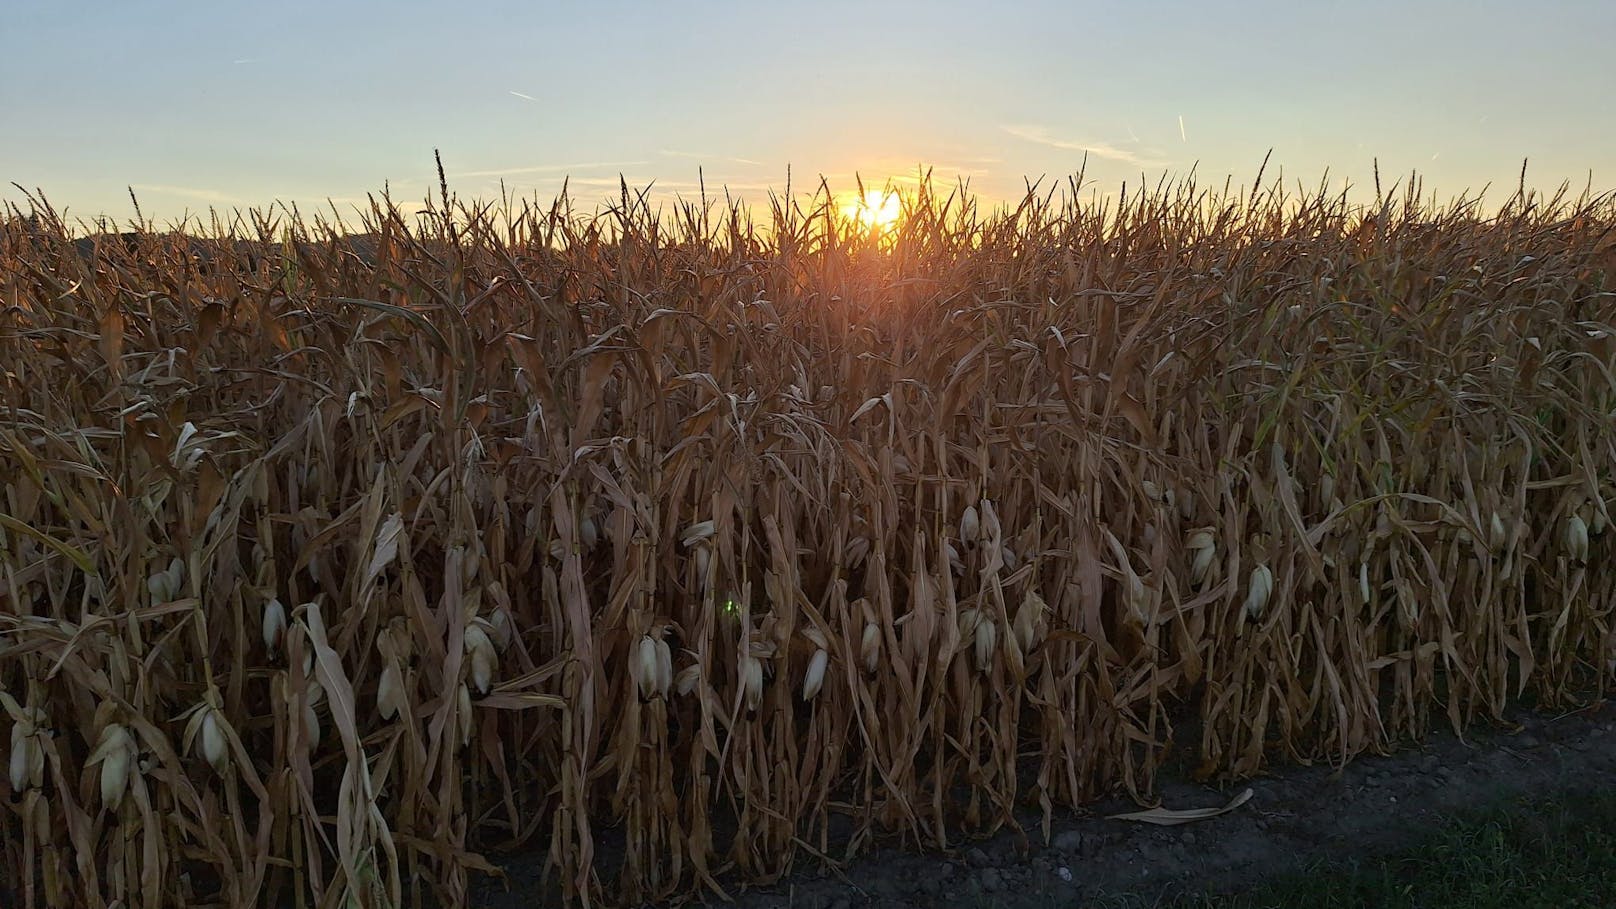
(688, 549)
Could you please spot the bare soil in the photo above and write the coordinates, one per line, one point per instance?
(1297, 817)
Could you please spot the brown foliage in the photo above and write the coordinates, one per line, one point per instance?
(340, 569)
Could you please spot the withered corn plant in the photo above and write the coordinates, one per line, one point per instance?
(687, 549)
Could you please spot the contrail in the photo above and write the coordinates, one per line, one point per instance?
(1184, 137)
(523, 97)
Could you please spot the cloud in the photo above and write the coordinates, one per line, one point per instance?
(522, 96)
(710, 158)
(713, 186)
(189, 192)
(1041, 136)
(547, 169)
(244, 60)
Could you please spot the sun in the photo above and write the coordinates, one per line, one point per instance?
(877, 210)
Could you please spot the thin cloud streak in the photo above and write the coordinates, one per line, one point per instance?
(712, 185)
(524, 97)
(710, 158)
(189, 192)
(1041, 136)
(547, 169)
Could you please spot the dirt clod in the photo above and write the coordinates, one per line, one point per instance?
(1068, 841)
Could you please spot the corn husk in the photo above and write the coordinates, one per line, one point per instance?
(390, 701)
(1259, 589)
(274, 624)
(1202, 546)
(1029, 622)
(870, 646)
(664, 668)
(214, 749)
(696, 533)
(463, 714)
(903, 446)
(703, 561)
(164, 586)
(814, 678)
(1576, 538)
(500, 629)
(115, 752)
(482, 655)
(986, 637)
(970, 526)
(647, 655)
(1497, 535)
(27, 764)
(311, 726)
(752, 681)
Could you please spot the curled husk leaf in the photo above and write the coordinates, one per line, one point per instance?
(686, 681)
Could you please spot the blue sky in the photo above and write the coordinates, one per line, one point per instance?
(234, 104)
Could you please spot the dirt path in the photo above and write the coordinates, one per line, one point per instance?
(1295, 816)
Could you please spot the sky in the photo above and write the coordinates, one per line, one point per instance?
(228, 104)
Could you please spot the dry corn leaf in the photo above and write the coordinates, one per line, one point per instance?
(1169, 817)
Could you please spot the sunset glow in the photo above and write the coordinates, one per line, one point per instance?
(877, 210)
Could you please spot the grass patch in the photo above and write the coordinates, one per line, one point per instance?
(1559, 852)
